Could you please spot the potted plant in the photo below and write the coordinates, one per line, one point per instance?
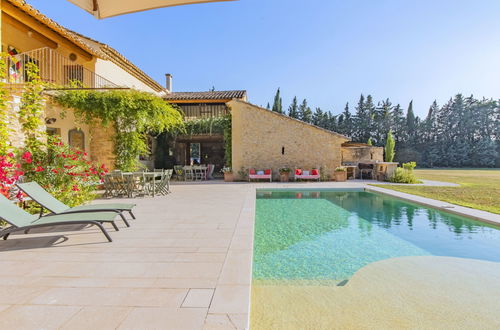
(228, 174)
(284, 174)
(340, 174)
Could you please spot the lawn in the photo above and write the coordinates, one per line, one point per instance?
(479, 188)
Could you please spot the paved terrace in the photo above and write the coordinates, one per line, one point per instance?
(185, 263)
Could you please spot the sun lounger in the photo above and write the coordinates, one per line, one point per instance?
(21, 220)
(46, 200)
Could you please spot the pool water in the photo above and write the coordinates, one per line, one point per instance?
(328, 235)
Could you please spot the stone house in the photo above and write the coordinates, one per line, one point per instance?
(65, 57)
(260, 138)
(265, 139)
(205, 146)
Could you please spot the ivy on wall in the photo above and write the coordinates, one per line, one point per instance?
(134, 114)
(213, 125)
(228, 148)
(31, 110)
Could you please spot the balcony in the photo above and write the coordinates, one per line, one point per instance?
(56, 69)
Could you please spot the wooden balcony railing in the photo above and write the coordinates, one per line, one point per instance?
(55, 69)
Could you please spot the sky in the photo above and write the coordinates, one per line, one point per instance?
(326, 51)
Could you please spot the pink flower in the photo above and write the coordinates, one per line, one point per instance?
(39, 169)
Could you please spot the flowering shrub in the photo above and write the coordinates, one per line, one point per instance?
(9, 174)
(63, 172)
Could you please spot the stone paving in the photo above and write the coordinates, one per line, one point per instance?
(185, 263)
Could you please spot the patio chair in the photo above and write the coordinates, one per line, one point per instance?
(21, 220)
(162, 186)
(179, 172)
(188, 173)
(49, 202)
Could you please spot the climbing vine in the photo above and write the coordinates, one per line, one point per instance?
(213, 125)
(4, 122)
(31, 109)
(134, 114)
(228, 148)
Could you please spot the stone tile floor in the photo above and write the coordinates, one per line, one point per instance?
(185, 263)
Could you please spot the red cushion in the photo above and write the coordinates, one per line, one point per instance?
(314, 172)
(267, 172)
(252, 171)
(298, 171)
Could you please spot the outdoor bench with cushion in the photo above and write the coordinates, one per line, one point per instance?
(258, 175)
(306, 175)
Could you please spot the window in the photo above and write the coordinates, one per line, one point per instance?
(195, 153)
(76, 139)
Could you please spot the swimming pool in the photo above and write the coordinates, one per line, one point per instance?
(325, 236)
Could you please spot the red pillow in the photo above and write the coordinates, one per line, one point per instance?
(267, 172)
(298, 171)
(314, 172)
(252, 171)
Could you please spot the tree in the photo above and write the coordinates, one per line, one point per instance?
(389, 147)
(305, 113)
(268, 107)
(293, 109)
(345, 123)
(369, 142)
(410, 123)
(277, 105)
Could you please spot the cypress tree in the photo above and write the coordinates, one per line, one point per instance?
(410, 123)
(389, 147)
(277, 105)
(369, 142)
(268, 107)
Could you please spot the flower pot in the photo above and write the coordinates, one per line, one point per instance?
(228, 176)
(340, 176)
(284, 177)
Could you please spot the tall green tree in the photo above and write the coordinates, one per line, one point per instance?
(277, 105)
(345, 122)
(305, 112)
(389, 147)
(411, 125)
(293, 109)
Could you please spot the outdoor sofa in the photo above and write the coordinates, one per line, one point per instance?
(260, 175)
(307, 175)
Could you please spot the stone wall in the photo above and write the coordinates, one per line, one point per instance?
(102, 145)
(359, 154)
(265, 139)
(16, 136)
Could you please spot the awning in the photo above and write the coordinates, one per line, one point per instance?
(109, 8)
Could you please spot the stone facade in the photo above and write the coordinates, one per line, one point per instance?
(265, 139)
(102, 144)
(356, 154)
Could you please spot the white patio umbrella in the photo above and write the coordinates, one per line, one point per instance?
(108, 8)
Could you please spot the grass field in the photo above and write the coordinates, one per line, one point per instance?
(479, 188)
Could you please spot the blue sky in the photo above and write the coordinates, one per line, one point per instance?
(327, 51)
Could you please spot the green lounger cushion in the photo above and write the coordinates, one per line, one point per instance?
(42, 197)
(19, 218)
